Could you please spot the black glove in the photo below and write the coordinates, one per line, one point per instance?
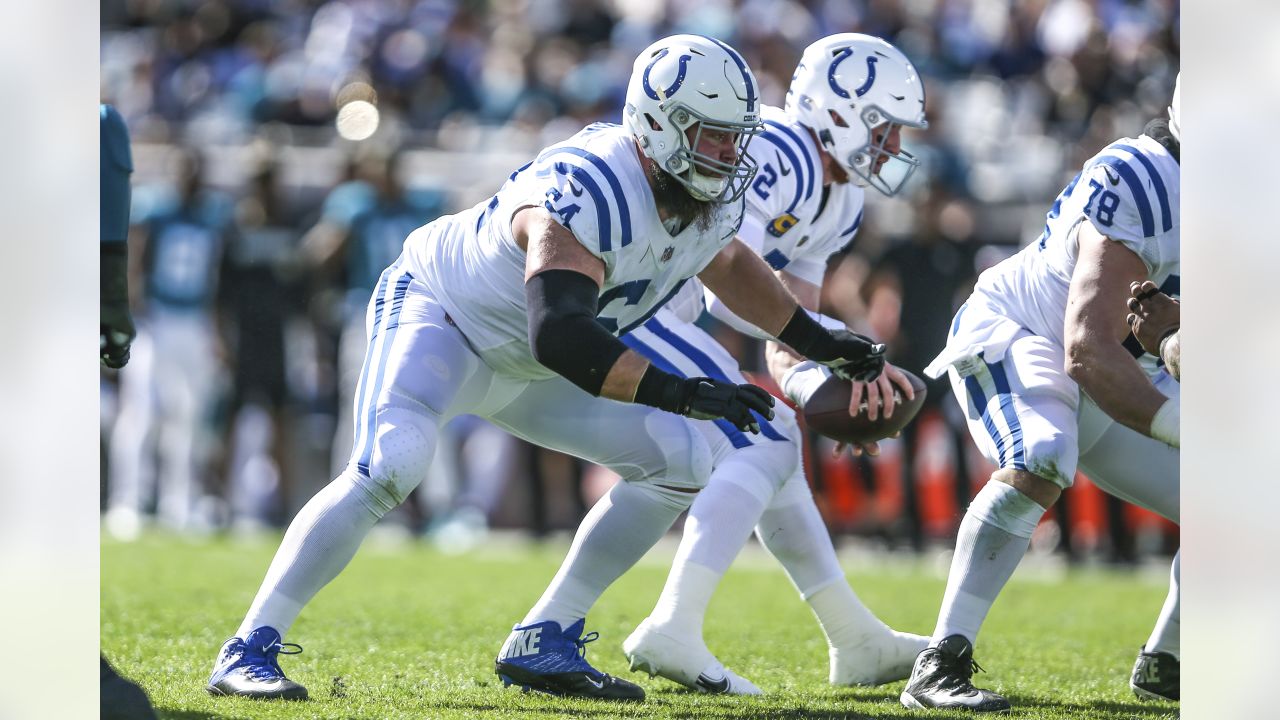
(116, 331)
(849, 355)
(703, 398)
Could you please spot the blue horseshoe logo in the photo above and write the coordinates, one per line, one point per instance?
(861, 90)
(648, 89)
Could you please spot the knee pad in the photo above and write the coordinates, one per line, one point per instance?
(1005, 507)
(403, 444)
(1052, 456)
(795, 490)
(761, 469)
(681, 456)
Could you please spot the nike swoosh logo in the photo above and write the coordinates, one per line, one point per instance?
(577, 191)
(599, 684)
(782, 166)
(713, 686)
(1113, 179)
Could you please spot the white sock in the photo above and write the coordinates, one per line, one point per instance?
(794, 532)
(319, 543)
(719, 524)
(616, 533)
(994, 535)
(845, 621)
(1165, 636)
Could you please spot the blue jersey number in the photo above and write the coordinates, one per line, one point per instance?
(1107, 204)
(765, 180)
(631, 291)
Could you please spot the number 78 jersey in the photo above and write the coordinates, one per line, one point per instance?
(1130, 192)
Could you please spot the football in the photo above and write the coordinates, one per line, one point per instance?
(827, 412)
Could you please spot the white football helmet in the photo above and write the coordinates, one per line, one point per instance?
(684, 81)
(846, 86)
(1175, 122)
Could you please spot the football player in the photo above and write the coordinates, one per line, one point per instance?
(840, 132)
(119, 698)
(511, 311)
(1041, 359)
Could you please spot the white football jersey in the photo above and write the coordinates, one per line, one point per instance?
(1130, 192)
(593, 184)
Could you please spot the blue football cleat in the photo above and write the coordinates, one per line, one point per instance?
(543, 657)
(249, 668)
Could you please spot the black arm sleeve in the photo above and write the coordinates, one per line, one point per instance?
(563, 331)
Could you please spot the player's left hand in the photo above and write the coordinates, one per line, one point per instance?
(872, 449)
(115, 335)
(1152, 315)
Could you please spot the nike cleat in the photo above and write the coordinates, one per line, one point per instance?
(688, 662)
(1156, 676)
(878, 660)
(249, 668)
(545, 658)
(942, 678)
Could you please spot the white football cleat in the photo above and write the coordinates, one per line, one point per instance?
(881, 659)
(652, 649)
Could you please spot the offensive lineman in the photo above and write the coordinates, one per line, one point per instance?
(510, 311)
(849, 99)
(1038, 356)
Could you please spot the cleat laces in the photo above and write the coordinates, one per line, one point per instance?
(582, 649)
(263, 663)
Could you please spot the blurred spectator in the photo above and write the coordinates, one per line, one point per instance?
(260, 290)
(923, 282)
(167, 391)
(361, 231)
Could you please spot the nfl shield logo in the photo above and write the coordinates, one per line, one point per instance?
(666, 254)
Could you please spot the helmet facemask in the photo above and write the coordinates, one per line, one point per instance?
(864, 163)
(708, 178)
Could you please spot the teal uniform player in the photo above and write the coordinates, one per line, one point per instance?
(115, 166)
(119, 698)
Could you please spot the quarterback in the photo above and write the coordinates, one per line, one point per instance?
(840, 131)
(1042, 360)
(511, 311)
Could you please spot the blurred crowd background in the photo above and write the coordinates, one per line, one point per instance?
(285, 148)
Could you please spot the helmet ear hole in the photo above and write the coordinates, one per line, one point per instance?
(654, 124)
(837, 119)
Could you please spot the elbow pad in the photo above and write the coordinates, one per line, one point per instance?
(563, 332)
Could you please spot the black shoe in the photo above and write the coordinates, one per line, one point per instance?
(1155, 676)
(545, 658)
(941, 679)
(122, 699)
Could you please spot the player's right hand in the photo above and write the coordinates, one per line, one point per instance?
(115, 335)
(704, 398)
(1152, 315)
(852, 356)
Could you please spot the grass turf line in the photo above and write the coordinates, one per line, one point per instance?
(407, 632)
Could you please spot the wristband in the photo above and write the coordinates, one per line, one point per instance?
(1164, 426)
(1164, 340)
(661, 390)
(802, 380)
(802, 332)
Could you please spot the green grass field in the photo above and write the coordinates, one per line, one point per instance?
(406, 632)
